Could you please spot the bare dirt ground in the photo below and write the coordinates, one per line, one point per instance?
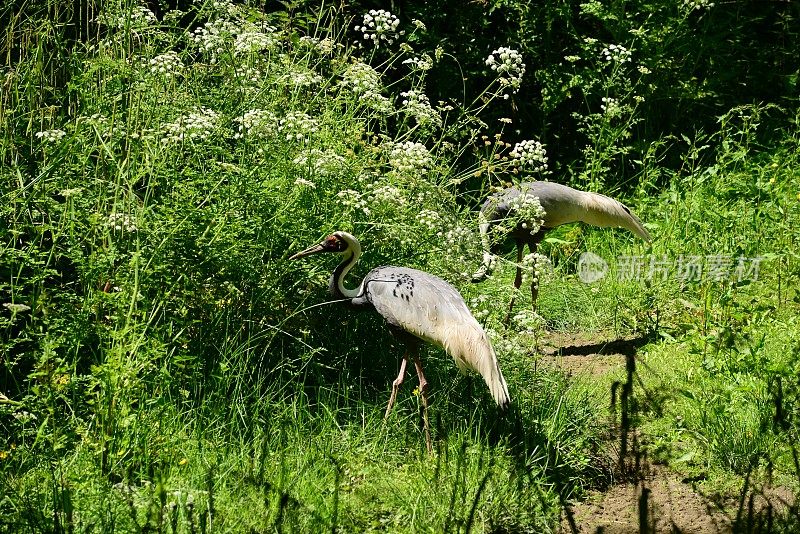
(648, 497)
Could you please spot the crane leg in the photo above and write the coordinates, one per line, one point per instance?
(517, 282)
(423, 394)
(396, 384)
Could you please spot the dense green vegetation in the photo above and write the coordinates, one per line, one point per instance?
(163, 367)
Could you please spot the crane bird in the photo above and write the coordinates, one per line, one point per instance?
(416, 306)
(562, 205)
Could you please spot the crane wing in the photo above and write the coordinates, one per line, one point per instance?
(433, 310)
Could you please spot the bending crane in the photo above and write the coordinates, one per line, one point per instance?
(562, 205)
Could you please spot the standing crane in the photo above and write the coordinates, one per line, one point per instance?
(416, 306)
(562, 205)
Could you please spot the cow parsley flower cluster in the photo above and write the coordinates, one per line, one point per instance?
(305, 183)
(365, 82)
(362, 79)
(692, 5)
(121, 222)
(197, 125)
(321, 162)
(211, 38)
(301, 78)
(480, 306)
(611, 106)
(530, 154)
(384, 194)
(297, 126)
(254, 41)
(409, 156)
(257, 124)
(456, 240)
(417, 105)
(249, 76)
(167, 65)
(528, 322)
(376, 196)
(616, 54)
(137, 17)
(50, 136)
(528, 212)
(423, 62)
(429, 218)
(507, 63)
(103, 127)
(379, 26)
(323, 46)
(535, 264)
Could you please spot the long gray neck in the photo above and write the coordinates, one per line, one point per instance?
(336, 285)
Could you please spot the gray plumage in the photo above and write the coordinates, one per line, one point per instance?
(562, 205)
(417, 306)
(432, 310)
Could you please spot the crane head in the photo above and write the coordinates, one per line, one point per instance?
(336, 242)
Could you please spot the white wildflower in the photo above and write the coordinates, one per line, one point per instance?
(611, 106)
(429, 218)
(305, 183)
(528, 322)
(249, 75)
(50, 136)
(16, 308)
(379, 26)
(213, 37)
(692, 5)
(530, 154)
(257, 124)
(417, 105)
(24, 416)
(525, 212)
(254, 41)
(323, 46)
(121, 222)
(349, 197)
(167, 64)
(457, 240)
(508, 65)
(137, 17)
(365, 82)
(480, 306)
(321, 163)
(385, 194)
(616, 54)
(409, 157)
(361, 78)
(297, 126)
(423, 62)
(197, 125)
(301, 78)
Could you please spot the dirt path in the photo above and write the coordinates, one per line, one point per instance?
(649, 498)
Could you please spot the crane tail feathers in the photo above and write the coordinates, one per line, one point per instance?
(471, 349)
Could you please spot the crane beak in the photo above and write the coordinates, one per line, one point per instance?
(308, 252)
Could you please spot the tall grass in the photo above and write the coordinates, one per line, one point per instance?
(165, 368)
